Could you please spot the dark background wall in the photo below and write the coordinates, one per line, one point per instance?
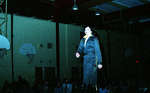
(120, 50)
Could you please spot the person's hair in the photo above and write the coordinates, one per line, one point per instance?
(92, 29)
(89, 27)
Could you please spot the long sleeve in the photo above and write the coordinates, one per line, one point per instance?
(98, 51)
(81, 46)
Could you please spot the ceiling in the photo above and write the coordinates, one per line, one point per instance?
(61, 10)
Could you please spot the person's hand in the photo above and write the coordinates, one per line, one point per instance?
(77, 55)
(100, 66)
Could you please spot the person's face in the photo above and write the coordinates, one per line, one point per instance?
(88, 31)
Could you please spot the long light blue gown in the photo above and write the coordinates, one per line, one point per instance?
(92, 57)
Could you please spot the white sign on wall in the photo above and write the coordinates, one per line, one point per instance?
(27, 48)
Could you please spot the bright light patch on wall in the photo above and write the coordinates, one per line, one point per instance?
(4, 43)
(128, 3)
